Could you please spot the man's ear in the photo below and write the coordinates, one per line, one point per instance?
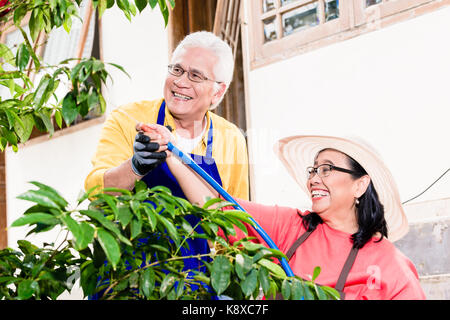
(361, 185)
(220, 89)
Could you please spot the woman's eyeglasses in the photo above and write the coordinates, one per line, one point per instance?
(324, 170)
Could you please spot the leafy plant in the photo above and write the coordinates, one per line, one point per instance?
(36, 105)
(127, 246)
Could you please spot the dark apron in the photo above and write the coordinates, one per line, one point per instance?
(345, 269)
(161, 176)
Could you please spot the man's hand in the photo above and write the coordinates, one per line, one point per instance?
(145, 157)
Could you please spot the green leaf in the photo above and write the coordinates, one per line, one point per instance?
(316, 273)
(51, 193)
(124, 215)
(40, 96)
(58, 118)
(164, 10)
(82, 233)
(33, 218)
(248, 285)
(27, 288)
(321, 295)
(19, 14)
(69, 108)
(24, 132)
(147, 282)
(135, 227)
(7, 54)
(152, 3)
(87, 235)
(110, 246)
(120, 68)
(39, 197)
(151, 217)
(22, 57)
(220, 275)
(332, 293)
(140, 4)
(297, 290)
(106, 223)
(171, 230)
(272, 267)
(34, 23)
(286, 289)
(264, 281)
(243, 265)
(26, 246)
(45, 115)
(167, 284)
(211, 202)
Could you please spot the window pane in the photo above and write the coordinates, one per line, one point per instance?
(331, 9)
(285, 2)
(300, 18)
(372, 2)
(270, 29)
(268, 5)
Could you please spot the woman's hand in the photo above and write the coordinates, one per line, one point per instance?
(158, 134)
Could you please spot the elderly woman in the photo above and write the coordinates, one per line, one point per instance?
(356, 213)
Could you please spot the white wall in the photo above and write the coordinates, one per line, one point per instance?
(389, 87)
(141, 47)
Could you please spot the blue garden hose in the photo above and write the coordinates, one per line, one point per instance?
(194, 166)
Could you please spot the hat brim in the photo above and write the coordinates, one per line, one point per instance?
(298, 152)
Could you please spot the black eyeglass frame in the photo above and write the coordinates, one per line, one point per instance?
(189, 74)
(310, 170)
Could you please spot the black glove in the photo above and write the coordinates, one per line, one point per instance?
(145, 159)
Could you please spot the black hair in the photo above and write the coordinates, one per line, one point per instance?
(370, 212)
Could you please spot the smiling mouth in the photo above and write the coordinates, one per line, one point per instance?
(316, 194)
(181, 96)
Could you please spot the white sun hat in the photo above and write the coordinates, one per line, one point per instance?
(298, 152)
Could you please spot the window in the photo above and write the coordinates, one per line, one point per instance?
(282, 28)
(280, 25)
(373, 11)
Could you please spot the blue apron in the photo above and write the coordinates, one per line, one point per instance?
(161, 176)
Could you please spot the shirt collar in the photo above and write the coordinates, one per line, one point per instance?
(169, 121)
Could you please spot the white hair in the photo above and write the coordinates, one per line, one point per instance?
(223, 70)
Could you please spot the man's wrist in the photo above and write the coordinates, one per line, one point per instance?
(134, 169)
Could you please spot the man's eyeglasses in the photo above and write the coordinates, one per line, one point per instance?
(193, 75)
(324, 170)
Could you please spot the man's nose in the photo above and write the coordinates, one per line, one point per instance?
(183, 80)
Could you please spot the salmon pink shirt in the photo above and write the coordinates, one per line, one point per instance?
(380, 271)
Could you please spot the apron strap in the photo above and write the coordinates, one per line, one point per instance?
(161, 114)
(345, 271)
(297, 243)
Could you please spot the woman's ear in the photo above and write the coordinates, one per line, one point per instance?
(361, 186)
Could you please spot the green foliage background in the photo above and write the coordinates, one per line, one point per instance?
(35, 105)
(103, 246)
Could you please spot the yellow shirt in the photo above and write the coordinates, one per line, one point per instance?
(117, 137)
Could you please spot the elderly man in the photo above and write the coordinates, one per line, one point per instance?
(199, 75)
